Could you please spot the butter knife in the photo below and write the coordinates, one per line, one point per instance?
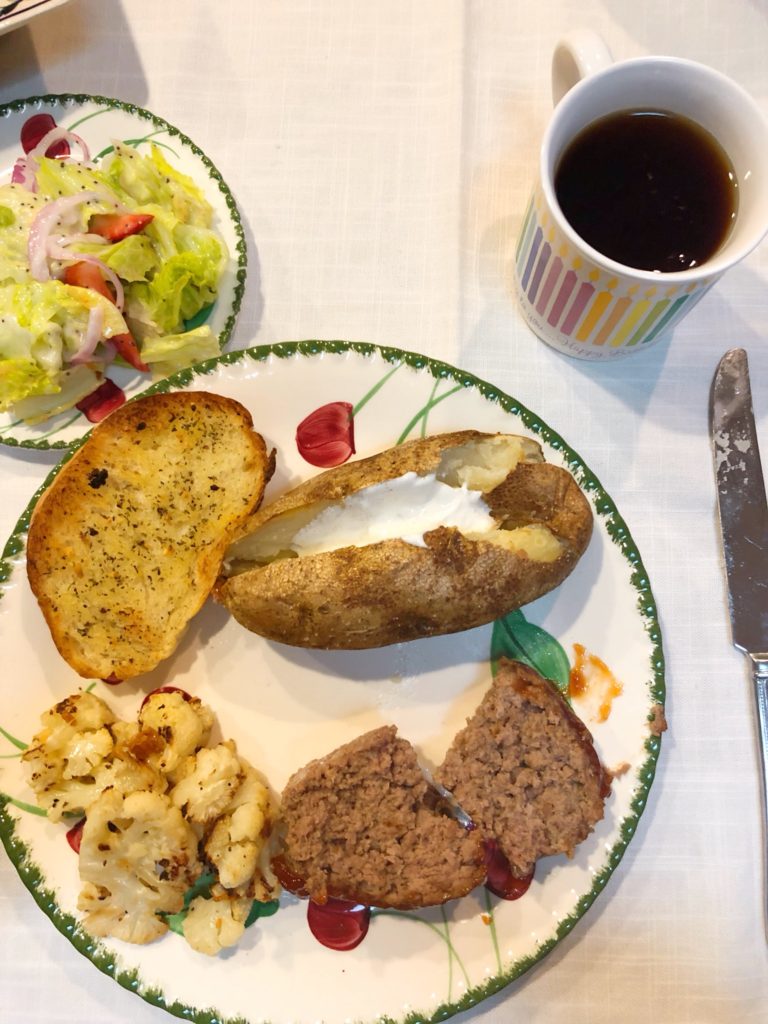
(743, 514)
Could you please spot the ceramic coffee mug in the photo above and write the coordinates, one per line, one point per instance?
(581, 302)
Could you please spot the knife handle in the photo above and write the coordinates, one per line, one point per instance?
(760, 680)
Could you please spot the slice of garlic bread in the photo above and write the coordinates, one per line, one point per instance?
(126, 542)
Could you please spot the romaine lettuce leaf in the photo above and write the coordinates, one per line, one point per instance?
(71, 386)
(133, 258)
(20, 378)
(184, 284)
(171, 352)
(152, 180)
(40, 306)
(57, 178)
(18, 208)
(42, 325)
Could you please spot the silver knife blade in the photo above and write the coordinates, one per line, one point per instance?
(741, 501)
(744, 524)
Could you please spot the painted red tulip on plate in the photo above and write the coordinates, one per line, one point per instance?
(75, 835)
(100, 403)
(326, 437)
(35, 129)
(338, 924)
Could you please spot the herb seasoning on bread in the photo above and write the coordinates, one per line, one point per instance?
(127, 541)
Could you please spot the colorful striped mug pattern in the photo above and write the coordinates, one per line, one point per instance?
(587, 310)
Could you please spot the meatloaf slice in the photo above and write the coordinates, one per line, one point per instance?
(363, 824)
(525, 770)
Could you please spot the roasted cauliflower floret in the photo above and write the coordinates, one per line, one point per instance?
(74, 739)
(207, 782)
(182, 724)
(80, 752)
(76, 755)
(127, 775)
(237, 839)
(137, 859)
(216, 923)
(156, 799)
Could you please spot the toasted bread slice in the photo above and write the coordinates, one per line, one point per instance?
(126, 543)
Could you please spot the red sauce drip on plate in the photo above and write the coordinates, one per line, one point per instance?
(338, 924)
(287, 878)
(591, 678)
(500, 879)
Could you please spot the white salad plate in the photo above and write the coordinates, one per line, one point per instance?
(284, 706)
(15, 13)
(99, 121)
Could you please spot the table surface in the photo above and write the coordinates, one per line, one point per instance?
(381, 155)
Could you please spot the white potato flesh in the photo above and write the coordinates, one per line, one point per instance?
(406, 508)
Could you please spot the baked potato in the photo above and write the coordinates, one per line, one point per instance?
(437, 535)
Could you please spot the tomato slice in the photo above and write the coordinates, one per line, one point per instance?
(85, 274)
(129, 350)
(116, 226)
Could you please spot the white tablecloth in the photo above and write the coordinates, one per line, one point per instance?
(381, 154)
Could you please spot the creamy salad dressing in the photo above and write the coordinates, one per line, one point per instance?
(406, 508)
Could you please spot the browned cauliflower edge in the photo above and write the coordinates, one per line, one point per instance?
(177, 834)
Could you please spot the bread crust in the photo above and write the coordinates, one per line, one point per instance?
(126, 542)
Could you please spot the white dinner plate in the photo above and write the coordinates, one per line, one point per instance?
(284, 706)
(99, 122)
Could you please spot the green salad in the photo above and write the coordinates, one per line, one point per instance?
(101, 266)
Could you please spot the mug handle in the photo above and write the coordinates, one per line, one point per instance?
(578, 54)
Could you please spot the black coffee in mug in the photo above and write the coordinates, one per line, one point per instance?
(649, 189)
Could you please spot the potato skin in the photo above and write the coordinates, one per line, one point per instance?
(362, 597)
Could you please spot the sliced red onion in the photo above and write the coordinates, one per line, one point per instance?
(91, 336)
(58, 134)
(109, 351)
(86, 238)
(23, 174)
(42, 226)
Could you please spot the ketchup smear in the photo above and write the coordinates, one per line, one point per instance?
(338, 924)
(500, 879)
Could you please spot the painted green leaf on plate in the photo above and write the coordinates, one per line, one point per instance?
(514, 637)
